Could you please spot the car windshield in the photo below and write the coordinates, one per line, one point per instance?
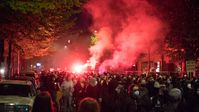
(15, 89)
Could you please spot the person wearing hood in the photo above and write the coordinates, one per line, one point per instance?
(195, 106)
(134, 93)
(160, 98)
(92, 89)
(150, 86)
(144, 100)
(79, 90)
(189, 95)
(43, 103)
(176, 103)
(88, 105)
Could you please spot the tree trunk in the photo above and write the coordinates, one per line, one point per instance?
(18, 62)
(149, 60)
(9, 59)
(1, 51)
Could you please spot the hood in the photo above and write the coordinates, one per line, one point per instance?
(176, 94)
(17, 100)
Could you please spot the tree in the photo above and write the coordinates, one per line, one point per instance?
(33, 25)
(94, 39)
(182, 18)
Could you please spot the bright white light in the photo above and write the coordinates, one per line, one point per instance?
(78, 68)
(38, 64)
(58, 69)
(52, 69)
(2, 71)
(158, 67)
(68, 41)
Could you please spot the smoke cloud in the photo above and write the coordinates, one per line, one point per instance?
(125, 29)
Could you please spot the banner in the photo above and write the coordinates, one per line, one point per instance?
(190, 66)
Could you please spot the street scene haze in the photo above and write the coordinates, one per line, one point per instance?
(99, 55)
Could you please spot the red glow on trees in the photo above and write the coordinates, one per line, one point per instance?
(124, 30)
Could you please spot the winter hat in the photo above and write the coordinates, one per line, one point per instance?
(175, 94)
(93, 81)
(157, 84)
(151, 79)
(135, 88)
(143, 82)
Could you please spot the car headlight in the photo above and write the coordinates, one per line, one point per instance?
(22, 108)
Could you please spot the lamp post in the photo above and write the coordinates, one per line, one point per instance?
(1, 51)
(149, 59)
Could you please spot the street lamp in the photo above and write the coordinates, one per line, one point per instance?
(38, 64)
(2, 72)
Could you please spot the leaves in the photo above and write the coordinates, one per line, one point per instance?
(37, 6)
(34, 7)
(182, 16)
(33, 25)
(94, 39)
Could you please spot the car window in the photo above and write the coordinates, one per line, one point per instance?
(15, 89)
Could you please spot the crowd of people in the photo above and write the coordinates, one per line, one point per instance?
(118, 92)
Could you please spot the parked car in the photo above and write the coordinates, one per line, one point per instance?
(16, 96)
(31, 74)
(27, 78)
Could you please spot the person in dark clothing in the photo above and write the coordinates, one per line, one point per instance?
(92, 89)
(196, 101)
(189, 96)
(160, 99)
(79, 91)
(144, 99)
(88, 105)
(105, 104)
(120, 99)
(43, 103)
(133, 105)
(175, 104)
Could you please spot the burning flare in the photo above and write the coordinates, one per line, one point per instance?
(125, 28)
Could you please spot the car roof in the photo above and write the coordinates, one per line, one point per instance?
(18, 82)
(23, 77)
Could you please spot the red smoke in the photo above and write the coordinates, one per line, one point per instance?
(125, 28)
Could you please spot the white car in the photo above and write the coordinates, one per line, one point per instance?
(16, 96)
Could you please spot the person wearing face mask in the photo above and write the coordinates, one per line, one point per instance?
(160, 99)
(132, 105)
(145, 101)
(136, 93)
(140, 102)
(189, 95)
(196, 101)
(121, 98)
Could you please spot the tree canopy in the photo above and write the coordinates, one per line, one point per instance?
(182, 18)
(33, 25)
